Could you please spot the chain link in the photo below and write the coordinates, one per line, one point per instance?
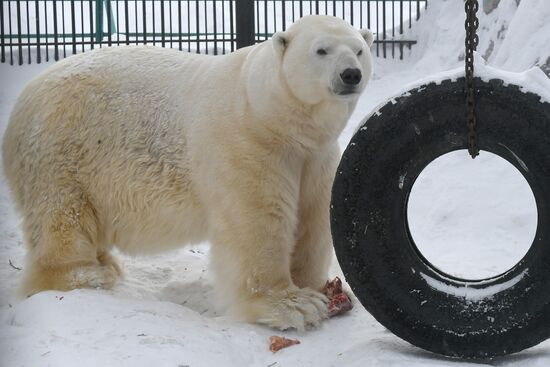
(472, 39)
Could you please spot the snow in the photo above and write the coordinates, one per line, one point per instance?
(162, 313)
(488, 208)
(472, 294)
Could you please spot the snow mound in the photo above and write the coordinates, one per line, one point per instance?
(514, 36)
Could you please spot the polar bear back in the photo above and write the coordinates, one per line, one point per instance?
(156, 141)
(119, 121)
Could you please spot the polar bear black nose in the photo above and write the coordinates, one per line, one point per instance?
(351, 76)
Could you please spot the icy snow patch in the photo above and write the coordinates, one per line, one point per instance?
(469, 293)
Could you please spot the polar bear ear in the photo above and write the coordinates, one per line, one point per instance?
(280, 41)
(367, 35)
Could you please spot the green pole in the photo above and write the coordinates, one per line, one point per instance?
(99, 5)
(98, 20)
(111, 17)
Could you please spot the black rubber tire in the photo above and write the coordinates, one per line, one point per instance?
(375, 249)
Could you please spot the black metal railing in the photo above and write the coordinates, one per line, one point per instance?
(38, 30)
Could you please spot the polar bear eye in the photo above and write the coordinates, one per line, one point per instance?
(360, 53)
(321, 51)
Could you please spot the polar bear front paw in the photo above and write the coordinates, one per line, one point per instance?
(293, 307)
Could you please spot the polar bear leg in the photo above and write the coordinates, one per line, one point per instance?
(313, 250)
(106, 259)
(262, 293)
(253, 235)
(63, 247)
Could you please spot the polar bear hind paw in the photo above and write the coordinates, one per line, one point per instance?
(94, 276)
(65, 278)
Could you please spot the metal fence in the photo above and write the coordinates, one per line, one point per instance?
(38, 30)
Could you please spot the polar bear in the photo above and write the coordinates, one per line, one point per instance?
(147, 149)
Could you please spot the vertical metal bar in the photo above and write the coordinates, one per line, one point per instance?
(10, 32)
(188, 26)
(46, 32)
(90, 10)
(384, 28)
(2, 35)
(377, 29)
(38, 52)
(162, 24)
(55, 40)
(144, 20)
(28, 31)
(393, 28)
(417, 9)
(73, 24)
(245, 22)
(206, 25)
(265, 20)
(401, 29)
(99, 21)
(301, 8)
(179, 26)
(126, 22)
(81, 38)
(284, 15)
(135, 22)
(19, 33)
(215, 27)
(109, 23)
(257, 19)
(63, 31)
(117, 28)
(317, 7)
(410, 20)
(351, 12)
(368, 14)
(232, 25)
(197, 22)
(410, 13)
(274, 16)
(82, 24)
(154, 23)
(171, 32)
(223, 26)
(361, 14)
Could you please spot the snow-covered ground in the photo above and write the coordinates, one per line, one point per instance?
(163, 312)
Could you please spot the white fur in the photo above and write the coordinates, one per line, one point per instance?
(147, 149)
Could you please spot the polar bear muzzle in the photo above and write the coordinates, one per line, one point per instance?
(351, 76)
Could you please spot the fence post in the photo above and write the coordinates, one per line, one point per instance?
(2, 36)
(111, 27)
(99, 21)
(244, 14)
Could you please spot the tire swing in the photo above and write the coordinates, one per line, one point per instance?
(388, 274)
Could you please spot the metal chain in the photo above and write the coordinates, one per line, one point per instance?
(471, 25)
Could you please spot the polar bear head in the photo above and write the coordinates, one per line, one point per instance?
(324, 58)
